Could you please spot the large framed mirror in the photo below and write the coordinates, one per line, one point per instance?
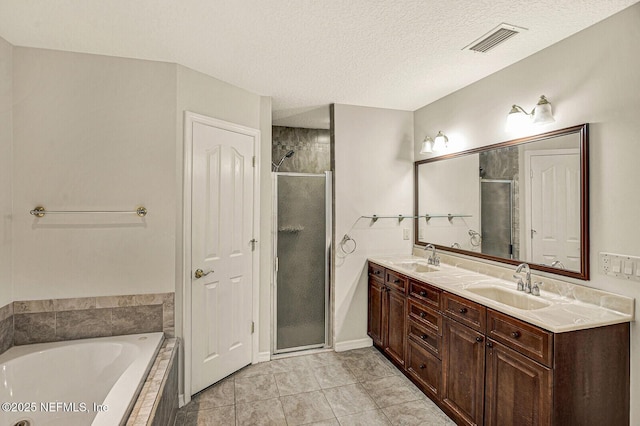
(525, 200)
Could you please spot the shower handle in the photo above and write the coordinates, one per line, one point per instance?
(200, 273)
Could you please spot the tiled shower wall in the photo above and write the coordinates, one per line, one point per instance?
(50, 320)
(311, 147)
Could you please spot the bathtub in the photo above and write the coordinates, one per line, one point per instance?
(77, 382)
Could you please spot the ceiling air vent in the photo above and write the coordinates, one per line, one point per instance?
(496, 36)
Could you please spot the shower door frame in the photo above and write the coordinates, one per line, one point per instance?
(327, 258)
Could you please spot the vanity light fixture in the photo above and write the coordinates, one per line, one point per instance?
(427, 145)
(518, 118)
(434, 145)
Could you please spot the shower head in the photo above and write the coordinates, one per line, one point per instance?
(289, 154)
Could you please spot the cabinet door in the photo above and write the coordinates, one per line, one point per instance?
(377, 295)
(395, 332)
(518, 388)
(463, 372)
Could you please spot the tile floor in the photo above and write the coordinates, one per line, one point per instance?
(359, 387)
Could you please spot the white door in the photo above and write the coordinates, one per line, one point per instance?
(555, 208)
(221, 247)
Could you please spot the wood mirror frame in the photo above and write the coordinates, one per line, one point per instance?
(583, 132)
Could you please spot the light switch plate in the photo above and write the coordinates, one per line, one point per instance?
(405, 233)
(620, 266)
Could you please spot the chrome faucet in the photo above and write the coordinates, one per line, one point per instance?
(558, 264)
(526, 285)
(433, 259)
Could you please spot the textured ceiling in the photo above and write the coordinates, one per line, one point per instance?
(399, 54)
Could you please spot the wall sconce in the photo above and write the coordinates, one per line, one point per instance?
(518, 118)
(434, 145)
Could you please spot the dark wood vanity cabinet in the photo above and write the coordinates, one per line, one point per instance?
(463, 372)
(483, 367)
(387, 312)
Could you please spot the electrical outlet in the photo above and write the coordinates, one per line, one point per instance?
(405, 233)
(620, 266)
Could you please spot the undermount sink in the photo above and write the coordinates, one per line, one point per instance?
(417, 266)
(513, 298)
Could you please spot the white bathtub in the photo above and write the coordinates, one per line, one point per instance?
(75, 383)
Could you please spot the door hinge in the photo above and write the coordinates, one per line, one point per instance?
(253, 161)
(253, 327)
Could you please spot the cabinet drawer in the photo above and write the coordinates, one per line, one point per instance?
(396, 281)
(425, 293)
(465, 311)
(527, 339)
(376, 271)
(425, 315)
(426, 337)
(425, 369)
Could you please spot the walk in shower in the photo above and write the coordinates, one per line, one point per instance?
(302, 225)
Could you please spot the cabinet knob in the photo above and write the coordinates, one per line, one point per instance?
(376, 272)
(422, 366)
(463, 310)
(396, 281)
(489, 344)
(479, 339)
(515, 334)
(423, 293)
(422, 315)
(424, 337)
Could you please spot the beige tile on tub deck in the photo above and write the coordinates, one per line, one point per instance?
(136, 319)
(74, 304)
(83, 324)
(32, 306)
(115, 301)
(150, 299)
(6, 311)
(34, 328)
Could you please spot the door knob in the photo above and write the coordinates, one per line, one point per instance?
(200, 273)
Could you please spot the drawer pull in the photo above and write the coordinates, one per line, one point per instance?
(422, 315)
(489, 344)
(515, 334)
(376, 272)
(396, 281)
(423, 293)
(479, 339)
(422, 366)
(463, 310)
(424, 337)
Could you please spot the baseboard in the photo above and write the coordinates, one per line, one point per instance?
(353, 344)
(263, 357)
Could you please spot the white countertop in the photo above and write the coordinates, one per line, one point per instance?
(570, 307)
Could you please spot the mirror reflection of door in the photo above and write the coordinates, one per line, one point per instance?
(553, 209)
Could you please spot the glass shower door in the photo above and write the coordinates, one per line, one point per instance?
(302, 246)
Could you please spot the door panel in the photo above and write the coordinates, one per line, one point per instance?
(222, 227)
(555, 209)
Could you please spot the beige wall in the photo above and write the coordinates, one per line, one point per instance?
(592, 77)
(6, 132)
(93, 133)
(373, 175)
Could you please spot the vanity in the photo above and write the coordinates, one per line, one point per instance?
(486, 353)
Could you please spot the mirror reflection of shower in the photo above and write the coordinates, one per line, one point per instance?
(275, 166)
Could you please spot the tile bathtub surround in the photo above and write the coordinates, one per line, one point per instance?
(6, 327)
(157, 403)
(358, 387)
(39, 321)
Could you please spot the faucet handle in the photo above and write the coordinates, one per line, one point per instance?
(520, 282)
(535, 289)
